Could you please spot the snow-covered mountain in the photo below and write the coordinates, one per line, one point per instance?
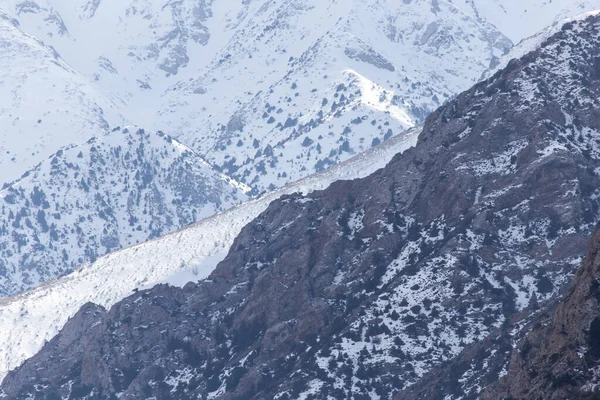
(30, 319)
(270, 91)
(227, 79)
(358, 290)
(44, 103)
(110, 192)
(352, 75)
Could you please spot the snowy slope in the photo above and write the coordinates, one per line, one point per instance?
(337, 87)
(108, 193)
(226, 79)
(520, 19)
(270, 91)
(45, 104)
(27, 309)
(358, 290)
(30, 319)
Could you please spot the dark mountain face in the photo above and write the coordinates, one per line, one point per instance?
(560, 357)
(358, 290)
(556, 356)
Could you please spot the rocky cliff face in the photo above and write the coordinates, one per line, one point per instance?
(360, 289)
(560, 357)
(552, 351)
(30, 320)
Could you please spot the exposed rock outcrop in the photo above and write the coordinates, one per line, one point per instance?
(560, 357)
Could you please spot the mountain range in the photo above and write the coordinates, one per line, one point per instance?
(174, 224)
(190, 254)
(365, 288)
(263, 114)
(225, 79)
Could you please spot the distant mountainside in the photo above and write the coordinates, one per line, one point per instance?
(355, 76)
(558, 359)
(226, 81)
(267, 92)
(111, 192)
(358, 290)
(518, 19)
(45, 104)
(270, 91)
(191, 254)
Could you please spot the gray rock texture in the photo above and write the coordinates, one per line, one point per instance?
(560, 357)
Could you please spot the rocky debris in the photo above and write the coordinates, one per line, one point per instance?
(359, 290)
(371, 57)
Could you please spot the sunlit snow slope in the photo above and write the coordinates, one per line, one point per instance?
(520, 19)
(187, 255)
(44, 103)
(269, 91)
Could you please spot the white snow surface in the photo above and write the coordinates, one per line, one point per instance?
(190, 254)
(520, 19)
(45, 104)
(269, 90)
(244, 83)
(111, 192)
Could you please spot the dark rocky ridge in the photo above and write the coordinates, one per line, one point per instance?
(560, 357)
(556, 356)
(358, 290)
(93, 198)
